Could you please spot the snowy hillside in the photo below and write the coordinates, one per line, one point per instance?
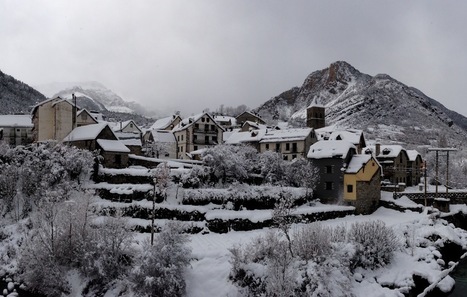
(383, 107)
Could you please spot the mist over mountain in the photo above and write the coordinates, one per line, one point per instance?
(384, 108)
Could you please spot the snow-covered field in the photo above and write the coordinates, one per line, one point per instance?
(210, 267)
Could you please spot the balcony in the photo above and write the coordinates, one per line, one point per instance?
(203, 131)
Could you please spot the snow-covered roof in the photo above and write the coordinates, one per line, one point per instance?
(248, 136)
(286, 135)
(330, 149)
(226, 135)
(225, 120)
(89, 114)
(132, 142)
(88, 132)
(255, 125)
(352, 136)
(163, 136)
(413, 154)
(113, 146)
(122, 125)
(23, 120)
(386, 151)
(163, 123)
(315, 103)
(357, 162)
(187, 122)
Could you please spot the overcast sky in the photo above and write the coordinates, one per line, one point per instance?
(189, 55)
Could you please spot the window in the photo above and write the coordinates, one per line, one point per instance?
(278, 147)
(267, 146)
(286, 158)
(214, 139)
(195, 148)
(329, 169)
(294, 147)
(207, 120)
(181, 137)
(294, 157)
(178, 137)
(329, 186)
(202, 120)
(118, 159)
(206, 139)
(287, 146)
(196, 126)
(349, 188)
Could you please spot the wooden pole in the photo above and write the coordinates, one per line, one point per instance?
(152, 213)
(447, 172)
(436, 176)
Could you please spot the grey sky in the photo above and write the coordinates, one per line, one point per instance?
(189, 55)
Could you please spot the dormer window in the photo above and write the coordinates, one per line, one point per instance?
(368, 151)
(386, 151)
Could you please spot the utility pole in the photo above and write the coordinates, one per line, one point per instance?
(153, 211)
(437, 150)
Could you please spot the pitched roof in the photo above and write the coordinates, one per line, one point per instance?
(330, 149)
(295, 134)
(163, 123)
(163, 136)
(88, 132)
(357, 162)
(122, 125)
(23, 120)
(413, 154)
(113, 146)
(131, 142)
(386, 151)
(352, 136)
(187, 122)
(247, 136)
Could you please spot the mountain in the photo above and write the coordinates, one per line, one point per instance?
(95, 96)
(384, 108)
(16, 96)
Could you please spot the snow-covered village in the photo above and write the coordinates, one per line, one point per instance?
(232, 149)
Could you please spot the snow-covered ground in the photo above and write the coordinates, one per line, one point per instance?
(210, 267)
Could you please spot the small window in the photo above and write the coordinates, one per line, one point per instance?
(329, 169)
(287, 146)
(207, 120)
(349, 188)
(286, 158)
(202, 120)
(214, 139)
(294, 157)
(181, 137)
(118, 159)
(267, 146)
(329, 186)
(195, 148)
(278, 147)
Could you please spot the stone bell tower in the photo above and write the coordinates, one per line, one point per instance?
(315, 115)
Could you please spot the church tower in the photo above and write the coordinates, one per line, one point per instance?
(315, 115)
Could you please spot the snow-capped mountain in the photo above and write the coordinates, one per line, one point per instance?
(383, 107)
(92, 95)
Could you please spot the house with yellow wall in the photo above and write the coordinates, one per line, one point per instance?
(362, 183)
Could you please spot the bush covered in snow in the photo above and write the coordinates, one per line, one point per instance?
(374, 244)
(239, 194)
(159, 268)
(319, 261)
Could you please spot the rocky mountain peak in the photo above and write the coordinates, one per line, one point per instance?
(381, 106)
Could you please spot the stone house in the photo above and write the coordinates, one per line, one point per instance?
(394, 162)
(249, 116)
(290, 143)
(331, 157)
(160, 144)
(195, 133)
(414, 165)
(100, 137)
(362, 183)
(53, 119)
(16, 129)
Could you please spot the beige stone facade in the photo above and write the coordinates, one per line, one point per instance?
(52, 119)
(195, 133)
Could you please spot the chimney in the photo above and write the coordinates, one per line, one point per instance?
(377, 149)
(73, 112)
